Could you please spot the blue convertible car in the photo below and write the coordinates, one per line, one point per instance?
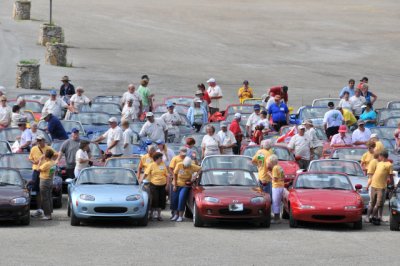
(107, 193)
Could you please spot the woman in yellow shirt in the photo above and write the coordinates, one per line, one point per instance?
(47, 168)
(278, 183)
(368, 156)
(183, 174)
(260, 160)
(245, 92)
(157, 174)
(145, 161)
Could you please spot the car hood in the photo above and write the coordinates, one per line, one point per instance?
(10, 192)
(289, 167)
(232, 192)
(107, 192)
(362, 180)
(323, 197)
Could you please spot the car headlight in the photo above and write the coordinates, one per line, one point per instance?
(86, 197)
(211, 199)
(349, 208)
(257, 200)
(307, 207)
(19, 201)
(133, 197)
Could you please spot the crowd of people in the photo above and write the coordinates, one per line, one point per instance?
(345, 125)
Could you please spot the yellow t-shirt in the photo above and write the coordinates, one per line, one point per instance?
(278, 177)
(157, 173)
(185, 174)
(260, 158)
(37, 152)
(245, 94)
(382, 172)
(372, 166)
(379, 147)
(348, 117)
(175, 160)
(366, 159)
(47, 169)
(145, 161)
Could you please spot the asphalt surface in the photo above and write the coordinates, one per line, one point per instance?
(313, 46)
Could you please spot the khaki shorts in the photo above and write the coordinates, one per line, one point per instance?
(377, 197)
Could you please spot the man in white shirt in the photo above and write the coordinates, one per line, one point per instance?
(26, 136)
(356, 102)
(128, 111)
(333, 119)
(172, 120)
(215, 93)
(361, 135)
(114, 137)
(5, 113)
(154, 128)
(127, 138)
(54, 105)
(253, 120)
(133, 95)
(227, 138)
(301, 147)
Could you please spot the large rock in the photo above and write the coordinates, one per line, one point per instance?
(56, 54)
(50, 33)
(28, 75)
(22, 10)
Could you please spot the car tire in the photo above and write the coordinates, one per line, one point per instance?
(145, 220)
(197, 222)
(293, 223)
(74, 220)
(57, 203)
(69, 209)
(267, 222)
(188, 213)
(285, 214)
(25, 220)
(394, 225)
(358, 225)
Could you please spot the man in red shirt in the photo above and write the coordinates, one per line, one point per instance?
(280, 90)
(237, 131)
(206, 97)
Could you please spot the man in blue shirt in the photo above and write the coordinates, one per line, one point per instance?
(54, 127)
(279, 112)
(350, 89)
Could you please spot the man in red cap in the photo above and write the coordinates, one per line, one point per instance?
(341, 139)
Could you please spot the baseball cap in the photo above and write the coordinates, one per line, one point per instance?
(343, 129)
(364, 106)
(331, 104)
(113, 120)
(223, 124)
(74, 130)
(238, 115)
(374, 135)
(257, 107)
(169, 104)
(360, 122)
(211, 80)
(53, 92)
(148, 114)
(160, 141)
(301, 127)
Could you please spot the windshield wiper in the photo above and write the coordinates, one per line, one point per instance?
(112, 183)
(89, 183)
(6, 184)
(211, 185)
(335, 188)
(306, 187)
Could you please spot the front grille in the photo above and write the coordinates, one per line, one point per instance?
(5, 213)
(110, 209)
(328, 217)
(228, 212)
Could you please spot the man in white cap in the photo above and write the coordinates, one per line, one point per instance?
(114, 137)
(227, 138)
(237, 132)
(154, 128)
(54, 105)
(361, 135)
(300, 145)
(215, 93)
(172, 119)
(135, 97)
(26, 136)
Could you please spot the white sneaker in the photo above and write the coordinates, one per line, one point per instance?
(180, 219)
(38, 213)
(174, 217)
(46, 218)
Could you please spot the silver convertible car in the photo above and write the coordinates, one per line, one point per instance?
(107, 193)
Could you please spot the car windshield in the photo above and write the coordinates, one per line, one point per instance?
(392, 122)
(10, 177)
(384, 132)
(324, 102)
(17, 161)
(33, 106)
(162, 108)
(228, 162)
(41, 98)
(92, 118)
(253, 101)
(349, 167)
(102, 176)
(184, 120)
(394, 105)
(180, 100)
(110, 108)
(323, 181)
(228, 178)
(349, 154)
(130, 163)
(107, 99)
(243, 109)
(387, 113)
(321, 135)
(11, 134)
(312, 113)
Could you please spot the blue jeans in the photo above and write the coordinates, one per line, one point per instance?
(267, 188)
(179, 198)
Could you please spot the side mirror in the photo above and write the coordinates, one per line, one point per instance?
(293, 116)
(69, 180)
(358, 187)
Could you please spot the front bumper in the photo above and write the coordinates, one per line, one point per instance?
(13, 213)
(328, 215)
(221, 212)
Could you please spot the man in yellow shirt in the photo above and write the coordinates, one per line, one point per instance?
(36, 154)
(278, 183)
(378, 183)
(260, 160)
(183, 174)
(379, 147)
(348, 117)
(245, 92)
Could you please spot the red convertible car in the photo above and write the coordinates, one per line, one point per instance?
(323, 197)
(228, 191)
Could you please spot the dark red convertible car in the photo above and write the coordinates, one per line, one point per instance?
(228, 190)
(323, 197)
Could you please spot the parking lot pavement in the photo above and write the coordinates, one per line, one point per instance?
(171, 243)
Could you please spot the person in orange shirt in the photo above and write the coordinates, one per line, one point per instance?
(245, 92)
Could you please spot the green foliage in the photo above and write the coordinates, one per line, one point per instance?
(29, 62)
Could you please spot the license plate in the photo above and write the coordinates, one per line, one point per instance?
(237, 207)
